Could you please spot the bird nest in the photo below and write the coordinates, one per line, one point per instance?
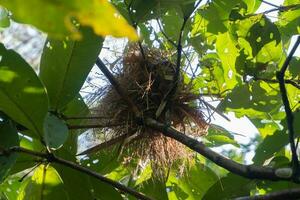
(148, 76)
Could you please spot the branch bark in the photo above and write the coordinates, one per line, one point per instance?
(247, 171)
(289, 114)
(53, 159)
(117, 87)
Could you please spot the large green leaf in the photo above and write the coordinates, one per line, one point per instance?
(193, 184)
(56, 131)
(25, 161)
(229, 187)
(265, 40)
(45, 184)
(227, 51)
(66, 64)
(22, 96)
(81, 186)
(257, 100)
(104, 191)
(273, 143)
(8, 138)
(10, 188)
(76, 107)
(289, 21)
(76, 184)
(57, 17)
(218, 136)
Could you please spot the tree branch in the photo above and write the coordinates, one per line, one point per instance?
(53, 159)
(284, 194)
(117, 87)
(247, 171)
(289, 114)
(86, 126)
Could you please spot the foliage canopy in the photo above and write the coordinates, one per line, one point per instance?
(225, 51)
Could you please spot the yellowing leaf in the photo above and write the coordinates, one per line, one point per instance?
(57, 18)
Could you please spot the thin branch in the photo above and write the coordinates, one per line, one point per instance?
(53, 159)
(103, 145)
(280, 9)
(85, 117)
(167, 99)
(289, 194)
(291, 82)
(87, 126)
(289, 114)
(117, 87)
(247, 171)
(268, 3)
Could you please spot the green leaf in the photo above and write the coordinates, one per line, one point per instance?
(154, 188)
(264, 34)
(193, 184)
(289, 21)
(66, 64)
(229, 187)
(25, 161)
(76, 107)
(294, 67)
(104, 190)
(142, 10)
(10, 188)
(172, 22)
(76, 184)
(273, 143)
(8, 138)
(45, 184)
(82, 186)
(218, 136)
(57, 17)
(257, 100)
(22, 96)
(4, 18)
(227, 52)
(56, 131)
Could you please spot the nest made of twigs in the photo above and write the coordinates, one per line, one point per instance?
(147, 76)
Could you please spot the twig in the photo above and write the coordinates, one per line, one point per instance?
(280, 9)
(289, 114)
(289, 194)
(291, 82)
(106, 144)
(268, 3)
(87, 126)
(167, 99)
(85, 117)
(117, 87)
(51, 158)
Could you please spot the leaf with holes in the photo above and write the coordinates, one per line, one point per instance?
(22, 96)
